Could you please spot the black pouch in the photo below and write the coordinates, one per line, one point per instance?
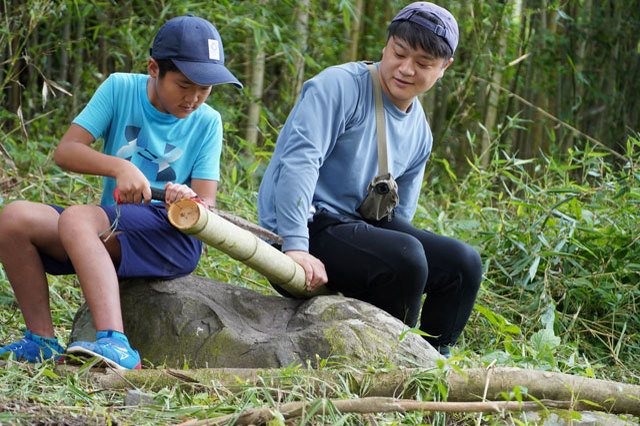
(381, 200)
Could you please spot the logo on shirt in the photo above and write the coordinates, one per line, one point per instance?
(149, 163)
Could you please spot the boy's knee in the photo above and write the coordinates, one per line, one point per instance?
(79, 217)
(70, 218)
(15, 217)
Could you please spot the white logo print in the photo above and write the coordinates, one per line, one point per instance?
(214, 50)
(120, 351)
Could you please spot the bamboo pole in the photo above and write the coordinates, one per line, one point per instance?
(194, 219)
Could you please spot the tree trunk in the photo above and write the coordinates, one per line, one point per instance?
(78, 59)
(103, 59)
(605, 117)
(31, 85)
(439, 116)
(302, 31)
(491, 114)
(585, 52)
(354, 35)
(64, 50)
(537, 134)
(512, 107)
(256, 86)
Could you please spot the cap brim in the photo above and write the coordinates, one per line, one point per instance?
(207, 73)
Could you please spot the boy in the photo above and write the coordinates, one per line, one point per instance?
(325, 157)
(157, 132)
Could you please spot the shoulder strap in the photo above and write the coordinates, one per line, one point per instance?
(381, 130)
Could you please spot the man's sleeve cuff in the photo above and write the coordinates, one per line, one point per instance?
(295, 243)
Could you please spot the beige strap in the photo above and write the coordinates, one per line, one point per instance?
(381, 130)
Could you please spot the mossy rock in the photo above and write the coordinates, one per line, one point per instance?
(199, 322)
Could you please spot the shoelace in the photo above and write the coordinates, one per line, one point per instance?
(113, 227)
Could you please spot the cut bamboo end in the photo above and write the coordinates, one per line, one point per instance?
(188, 216)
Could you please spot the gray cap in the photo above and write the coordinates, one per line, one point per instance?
(448, 32)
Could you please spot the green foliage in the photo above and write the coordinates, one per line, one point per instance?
(553, 215)
(559, 242)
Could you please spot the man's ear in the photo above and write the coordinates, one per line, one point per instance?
(152, 68)
(445, 66)
(449, 62)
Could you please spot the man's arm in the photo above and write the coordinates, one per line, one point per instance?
(75, 154)
(409, 186)
(311, 131)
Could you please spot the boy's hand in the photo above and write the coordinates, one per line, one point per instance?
(176, 192)
(133, 186)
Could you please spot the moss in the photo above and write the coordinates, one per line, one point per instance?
(330, 313)
(371, 347)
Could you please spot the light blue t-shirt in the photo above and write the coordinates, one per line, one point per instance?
(164, 147)
(327, 154)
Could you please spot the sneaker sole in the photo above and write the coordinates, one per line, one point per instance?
(82, 352)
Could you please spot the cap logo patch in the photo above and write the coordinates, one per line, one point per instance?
(214, 50)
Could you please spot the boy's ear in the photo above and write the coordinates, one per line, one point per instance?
(152, 68)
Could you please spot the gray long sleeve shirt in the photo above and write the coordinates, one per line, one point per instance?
(327, 154)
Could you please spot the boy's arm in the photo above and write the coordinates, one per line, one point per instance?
(206, 190)
(75, 154)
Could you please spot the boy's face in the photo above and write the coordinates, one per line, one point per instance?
(174, 93)
(406, 72)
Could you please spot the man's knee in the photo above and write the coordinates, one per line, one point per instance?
(470, 264)
(408, 261)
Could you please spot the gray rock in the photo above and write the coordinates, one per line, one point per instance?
(199, 322)
(567, 418)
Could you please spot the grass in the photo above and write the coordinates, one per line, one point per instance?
(560, 248)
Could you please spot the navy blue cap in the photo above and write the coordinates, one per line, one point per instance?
(195, 46)
(449, 28)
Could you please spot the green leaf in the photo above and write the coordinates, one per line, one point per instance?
(544, 341)
(533, 269)
(47, 372)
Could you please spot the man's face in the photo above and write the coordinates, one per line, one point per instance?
(406, 72)
(174, 93)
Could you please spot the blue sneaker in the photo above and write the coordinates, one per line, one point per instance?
(33, 348)
(112, 347)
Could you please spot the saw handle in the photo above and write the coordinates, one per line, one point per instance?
(157, 194)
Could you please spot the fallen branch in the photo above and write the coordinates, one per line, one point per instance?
(468, 385)
(606, 395)
(259, 416)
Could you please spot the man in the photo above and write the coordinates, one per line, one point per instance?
(324, 159)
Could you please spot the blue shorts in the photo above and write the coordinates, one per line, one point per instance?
(151, 247)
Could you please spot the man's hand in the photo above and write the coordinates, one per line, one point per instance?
(314, 268)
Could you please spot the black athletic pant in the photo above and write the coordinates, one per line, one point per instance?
(391, 264)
